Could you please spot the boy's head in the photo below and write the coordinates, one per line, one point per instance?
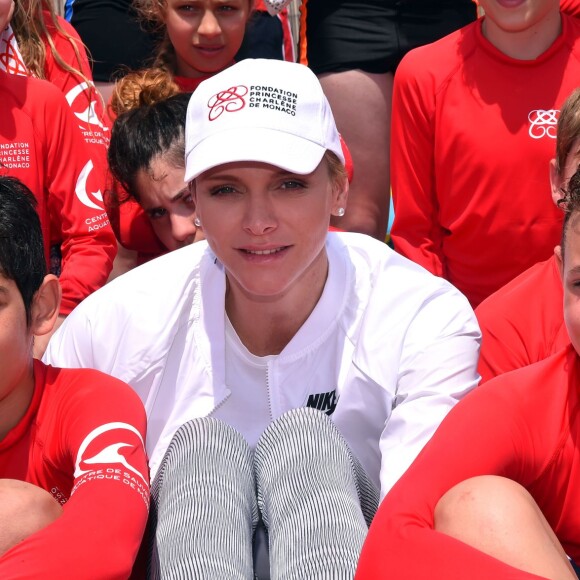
(22, 260)
(21, 247)
(29, 299)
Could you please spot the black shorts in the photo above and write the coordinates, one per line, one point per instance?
(374, 35)
(115, 38)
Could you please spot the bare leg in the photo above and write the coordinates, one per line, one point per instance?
(499, 517)
(24, 510)
(361, 103)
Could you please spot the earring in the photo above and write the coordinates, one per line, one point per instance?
(340, 212)
(197, 222)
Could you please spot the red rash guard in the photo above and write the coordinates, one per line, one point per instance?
(84, 101)
(41, 145)
(523, 322)
(523, 425)
(570, 7)
(81, 440)
(473, 131)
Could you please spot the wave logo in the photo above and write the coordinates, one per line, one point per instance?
(81, 189)
(103, 446)
(543, 123)
(88, 115)
(230, 100)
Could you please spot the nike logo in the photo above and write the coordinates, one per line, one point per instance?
(325, 402)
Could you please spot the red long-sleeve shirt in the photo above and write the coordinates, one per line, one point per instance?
(40, 144)
(473, 131)
(83, 99)
(570, 7)
(523, 425)
(523, 322)
(82, 440)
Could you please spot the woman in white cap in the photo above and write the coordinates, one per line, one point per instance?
(230, 340)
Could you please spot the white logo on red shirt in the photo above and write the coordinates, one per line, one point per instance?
(89, 115)
(81, 189)
(101, 452)
(543, 123)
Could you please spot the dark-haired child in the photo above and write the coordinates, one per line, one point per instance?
(74, 480)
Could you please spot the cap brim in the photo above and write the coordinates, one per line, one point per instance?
(277, 148)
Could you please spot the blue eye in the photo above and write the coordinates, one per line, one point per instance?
(292, 184)
(223, 190)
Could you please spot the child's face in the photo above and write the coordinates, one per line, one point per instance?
(15, 343)
(6, 11)
(518, 15)
(166, 199)
(206, 34)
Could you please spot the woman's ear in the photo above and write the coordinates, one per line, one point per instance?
(45, 306)
(340, 197)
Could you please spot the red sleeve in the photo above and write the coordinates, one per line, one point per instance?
(80, 93)
(485, 433)
(503, 346)
(416, 232)
(78, 219)
(522, 323)
(98, 536)
(570, 7)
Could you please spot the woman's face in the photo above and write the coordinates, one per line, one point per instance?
(167, 202)
(268, 226)
(206, 34)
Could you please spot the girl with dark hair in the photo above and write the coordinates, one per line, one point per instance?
(147, 159)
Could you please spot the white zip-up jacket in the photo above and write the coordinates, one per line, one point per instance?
(387, 351)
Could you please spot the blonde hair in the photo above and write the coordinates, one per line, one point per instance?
(336, 169)
(30, 31)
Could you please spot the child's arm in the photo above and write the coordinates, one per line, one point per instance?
(416, 231)
(75, 184)
(502, 428)
(101, 433)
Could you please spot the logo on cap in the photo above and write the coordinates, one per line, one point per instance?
(230, 100)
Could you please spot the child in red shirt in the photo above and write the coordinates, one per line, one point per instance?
(73, 470)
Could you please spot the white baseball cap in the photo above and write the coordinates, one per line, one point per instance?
(264, 110)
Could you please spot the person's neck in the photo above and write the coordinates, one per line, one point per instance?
(15, 404)
(527, 44)
(266, 325)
